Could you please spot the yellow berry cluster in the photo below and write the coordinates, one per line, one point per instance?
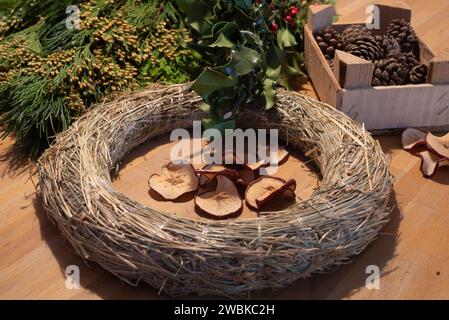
(15, 21)
(110, 74)
(74, 103)
(166, 42)
(19, 58)
(54, 62)
(111, 64)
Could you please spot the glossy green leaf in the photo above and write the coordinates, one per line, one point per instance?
(223, 42)
(229, 29)
(196, 12)
(218, 123)
(244, 4)
(273, 74)
(243, 61)
(209, 81)
(285, 38)
(269, 93)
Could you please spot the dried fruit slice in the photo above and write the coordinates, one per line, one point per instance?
(246, 176)
(210, 171)
(440, 145)
(267, 188)
(280, 157)
(412, 138)
(221, 202)
(430, 163)
(230, 157)
(175, 180)
(254, 166)
(277, 158)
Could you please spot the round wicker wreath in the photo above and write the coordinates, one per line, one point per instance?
(180, 256)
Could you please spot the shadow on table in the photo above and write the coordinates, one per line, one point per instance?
(346, 280)
(94, 280)
(341, 283)
(14, 159)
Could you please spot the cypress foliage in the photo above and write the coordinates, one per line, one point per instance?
(50, 74)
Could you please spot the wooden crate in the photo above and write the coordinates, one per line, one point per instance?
(348, 86)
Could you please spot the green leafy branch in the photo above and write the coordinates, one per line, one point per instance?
(249, 47)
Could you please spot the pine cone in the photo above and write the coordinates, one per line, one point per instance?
(404, 34)
(365, 48)
(389, 72)
(354, 32)
(408, 59)
(389, 45)
(329, 40)
(418, 74)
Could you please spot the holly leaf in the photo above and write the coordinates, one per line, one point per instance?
(223, 42)
(269, 93)
(285, 38)
(265, 11)
(242, 62)
(218, 123)
(228, 29)
(196, 12)
(281, 65)
(210, 81)
(244, 4)
(273, 73)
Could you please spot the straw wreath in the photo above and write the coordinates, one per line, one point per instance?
(178, 255)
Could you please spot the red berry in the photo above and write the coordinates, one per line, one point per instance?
(274, 26)
(294, 10)
(288, 19)
(259, 1)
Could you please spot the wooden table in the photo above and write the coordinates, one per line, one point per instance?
(411, 252)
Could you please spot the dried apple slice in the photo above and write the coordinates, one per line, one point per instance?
(246, 176)
(282, 156)
(210, 171)
(430, 163)
(175, 180)
(279, 158)
(230, 157)
(440, 145)
(255, 165)
(412, 138)
(266, 189)
(221, 202)
(443, 163)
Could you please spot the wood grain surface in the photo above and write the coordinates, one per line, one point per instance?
(411, 252)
